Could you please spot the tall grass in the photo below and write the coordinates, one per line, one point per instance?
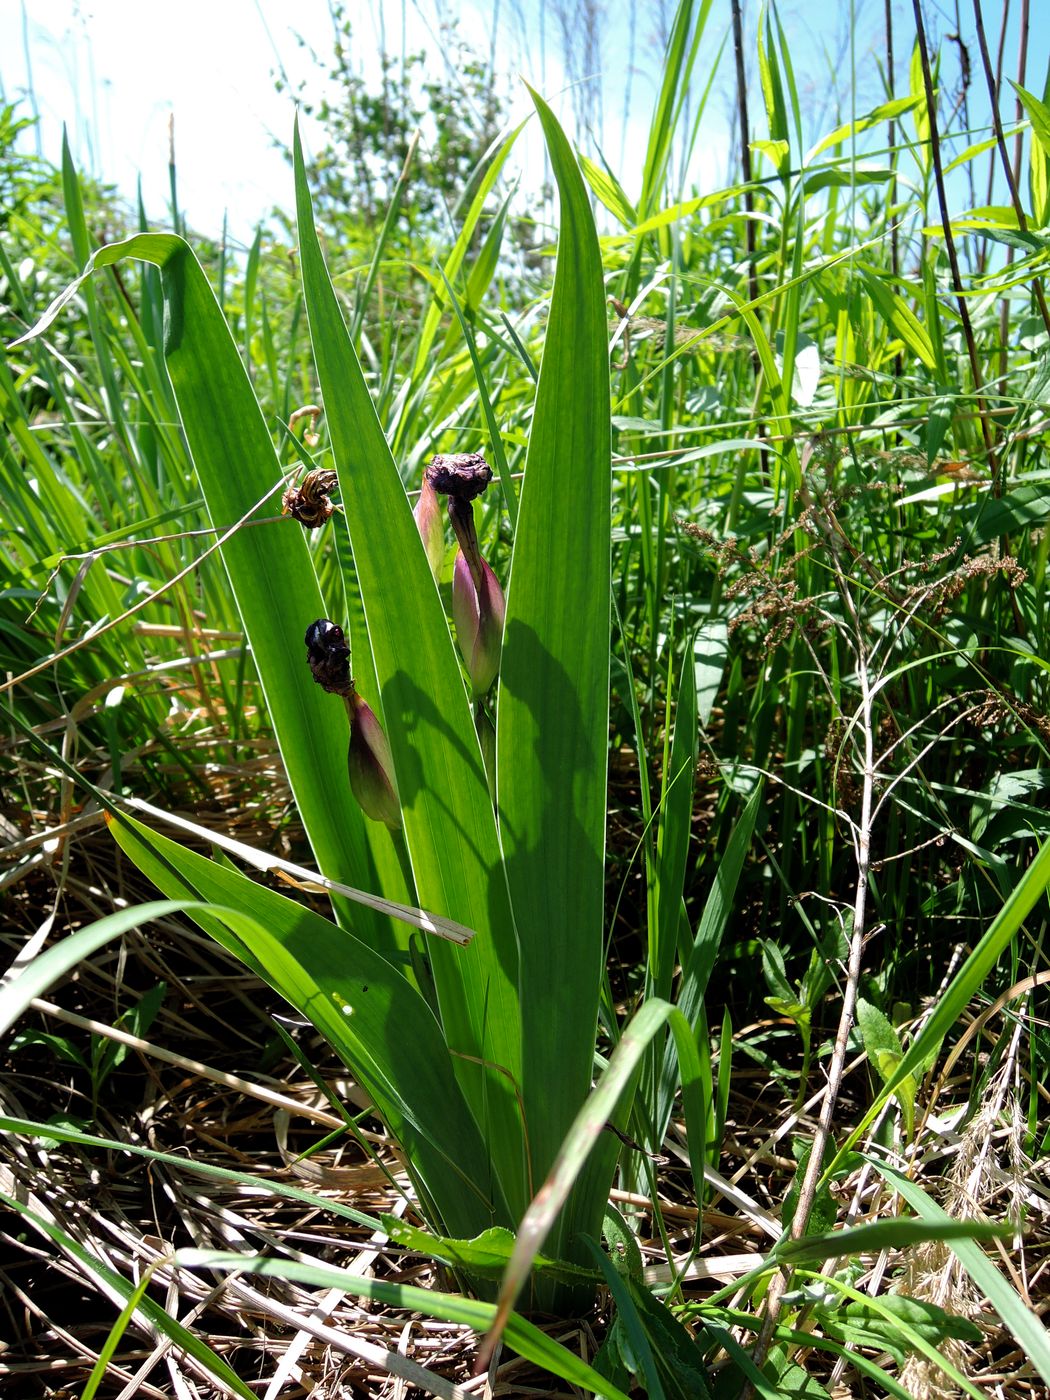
(768, 730)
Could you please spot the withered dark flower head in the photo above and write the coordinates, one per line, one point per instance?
(329, 657)
(369, 764)
(308, 502)
(477, 600)
(461, 475)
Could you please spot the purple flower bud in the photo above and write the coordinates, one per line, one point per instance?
(478, 606)
(428, 519)
(478, 612)
(370, 765)
(368, 761)
(461, 476)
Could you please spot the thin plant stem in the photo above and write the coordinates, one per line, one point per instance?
(1015, 198)
(1000, 54)
(1015, 172)
(949, 240)
(864, 721)
(745, 149)
(891, 138)
(1022, 69)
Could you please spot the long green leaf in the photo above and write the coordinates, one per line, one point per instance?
(964, 985)
(1038, 114)
(109, 1347)
(676, 806)
(270, 568)
(683, 46)
(454, 262)
(116, 1286)
(526, 1339)
(899, 316)
(701, 960)
(666, 907)
(28, 1128)
(365, 1008)
(611, 193)
(51, 966)
(553, 721)
(898, 1233)
(589, 1125)
(1025, 1325)
(886, 111)
(449, 823)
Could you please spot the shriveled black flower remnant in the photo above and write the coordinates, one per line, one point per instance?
(478, 605)
(308, 502)
(462, 477)
(369, 761)
(328, 656)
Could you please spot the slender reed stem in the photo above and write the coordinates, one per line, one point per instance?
(1015, 198)
(891, 136)
(1022, 68)
(745, 148)
(749, 222)
(963, 104)
(891, 141)
(1000, 54)
(949, 241)
(1015, 172)
(865, 724)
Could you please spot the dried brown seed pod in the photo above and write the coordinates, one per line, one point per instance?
(308, 502)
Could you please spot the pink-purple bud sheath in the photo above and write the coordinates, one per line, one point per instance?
(370, 765)
(431, 527)
(478, 615)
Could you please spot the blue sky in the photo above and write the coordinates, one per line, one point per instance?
(115, 71)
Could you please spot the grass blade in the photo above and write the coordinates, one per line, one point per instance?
(1017, 1316)
(365, 1008)
(528, 1341)
(449, 823)
(52, 965)
(554, 690)
(117, 1288)
(270, 568)
(966, 982)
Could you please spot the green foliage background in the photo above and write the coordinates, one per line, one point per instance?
(826, 660)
